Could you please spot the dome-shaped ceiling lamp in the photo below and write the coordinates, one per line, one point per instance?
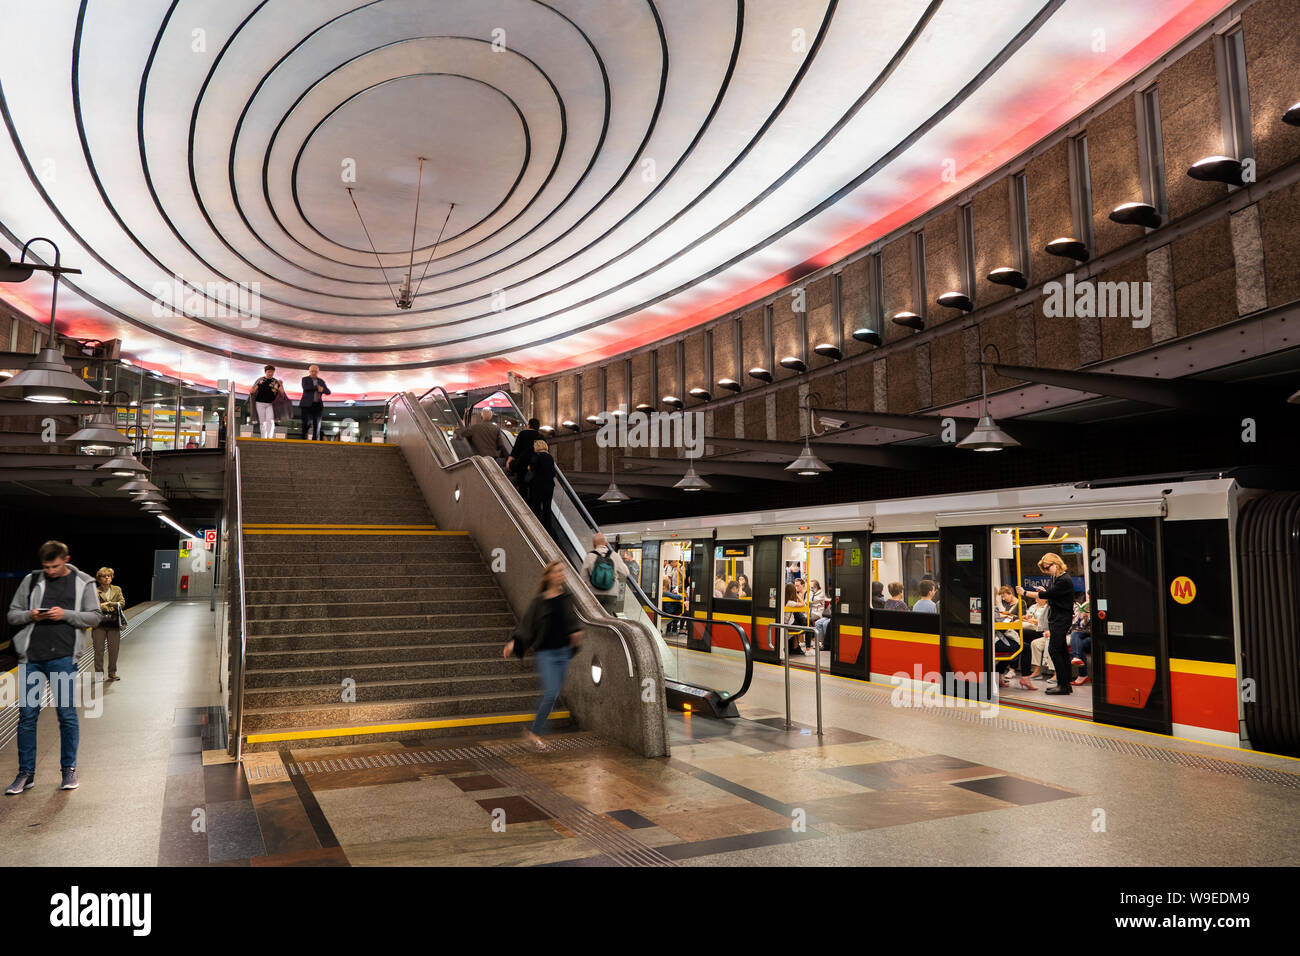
(760, 373)
(124, 466)
(807, 463)
(827, 350)
(1292, 116)
(138, 484)
(404, 297)
(1135, 214)
(869, 336)
(595, 420)
(703, 394)
(1005, 275)
(1217, 169)
(571, 425)
(1067, 248)
(691, 481)
(909, 320)
(547, 430)
(643, 407)
(672, 401)
(100, 434)
(986, 436)
(956, 300)
(147, 496)
(730, 384)
(47, 378)
(613, 495)
(794, 364)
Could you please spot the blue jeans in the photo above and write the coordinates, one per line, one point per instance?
(60, 672)
(552, 665)
(1080, 645)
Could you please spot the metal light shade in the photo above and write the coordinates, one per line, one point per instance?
(807, 463)
(1135, 214)
(1067, 248)
(100, 434)
(703, 394)
(139, 484)
(986, 436)
(124, 466)
(1292, 116)
(760, 373)
(595, 420)
(956, 300)
(672, 401)
(870, 336)
(1005, 275)
(146, 497)
(13, 273)
(730, 384)
(612, 493)
(794, 364)
(827, 350)
(155, 509)
(47, 379)
(1217, 169)
(571, 425)
(691, 481)
(909, 320)
(547, 429)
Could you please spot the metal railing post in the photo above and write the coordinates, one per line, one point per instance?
(785, 656)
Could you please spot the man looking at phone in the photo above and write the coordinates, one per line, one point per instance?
(56, 607)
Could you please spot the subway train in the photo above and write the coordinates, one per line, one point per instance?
(1186, 588)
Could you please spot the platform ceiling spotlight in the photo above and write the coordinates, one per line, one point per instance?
(730, 384)
(807, 463)
(100, 434)
(547, 429)
(1292, 116)
(138, 484)
(956, 300)
(644, 407)
(827, 350)
(1067, 248)
(612, 494)
(760, 373)
(986, 436)
(909, 320)
(1135, 214)
(595, 420)
(1005, 275)
(691, 481)
(869, 336)
(124, 466)
(794, 364)
(47, 378)
(571, 425)
(1217, 169)
(703, 394)
(404, 297)
(672, 401)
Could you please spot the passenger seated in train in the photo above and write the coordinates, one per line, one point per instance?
(744, 586)
(925, 603)
(732, 592)
(822, 623)
(877, 594)
(1081, 639)
(896, 602)
(719, 587)
(794, 614)
(1007, 607)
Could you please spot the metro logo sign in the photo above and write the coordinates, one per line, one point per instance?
(1183, 590)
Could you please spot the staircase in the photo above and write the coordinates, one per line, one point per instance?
(365, 621)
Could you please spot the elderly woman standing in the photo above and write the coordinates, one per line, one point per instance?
(109, 631)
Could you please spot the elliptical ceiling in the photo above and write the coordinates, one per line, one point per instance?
(621, 169)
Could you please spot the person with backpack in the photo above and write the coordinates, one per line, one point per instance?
(603, 567)
(551, 628)
(56, 607)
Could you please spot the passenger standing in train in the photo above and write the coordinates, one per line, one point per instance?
(1060, 607)
(551, 629)
(267, 392)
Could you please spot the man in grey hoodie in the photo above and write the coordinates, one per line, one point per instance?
(58, 606)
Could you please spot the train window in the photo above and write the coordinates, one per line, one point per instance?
(905, 575)
(733, 572)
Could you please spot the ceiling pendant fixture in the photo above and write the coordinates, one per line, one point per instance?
(986, 436)
(124, 466)
(100, 434)
(47, 378)
(691, 481)
(404, 297)
(612, 494)
(808, 464)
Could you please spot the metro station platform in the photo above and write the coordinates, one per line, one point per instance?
(884, 785)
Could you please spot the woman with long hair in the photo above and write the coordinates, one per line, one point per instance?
(794, 614)
(1060, 609)
(551, 629)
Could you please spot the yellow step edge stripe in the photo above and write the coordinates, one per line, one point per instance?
(408, 527)
(398, 728)
(372, 532)
(307, 441)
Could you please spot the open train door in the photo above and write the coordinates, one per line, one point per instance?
(1130, 655)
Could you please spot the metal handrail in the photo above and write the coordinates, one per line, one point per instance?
(235, 582)
(817, 666)
(654, 612)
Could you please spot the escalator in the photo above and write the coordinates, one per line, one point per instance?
(707, 664)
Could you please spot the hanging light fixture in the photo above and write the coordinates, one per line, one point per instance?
(986, 436)
(909, 320)
(794, 364)
(138, 484)
(760, 373)
(100, 434)
(124, 466)
(47, 378)
(691, 481)
(612, 494)
(404, 297)
(672, 401)
(807, 463)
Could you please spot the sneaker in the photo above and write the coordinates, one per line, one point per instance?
(24, 781)
(69, 779)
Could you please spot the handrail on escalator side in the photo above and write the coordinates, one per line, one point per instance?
(235, 581)
(654, 612)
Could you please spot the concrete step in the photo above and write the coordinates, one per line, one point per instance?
(319, 546)
(476, 726)
(344, 631)
(391, 652)
(358, 611)
(429, 666)
(269, 719)
(429, 593)
(374, 576)
(393, 691)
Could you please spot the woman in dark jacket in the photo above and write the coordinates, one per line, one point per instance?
(551, 629)
(1060, 611)
(541, 486)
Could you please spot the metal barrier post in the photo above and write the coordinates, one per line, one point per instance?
(785, 655)
(817, 667)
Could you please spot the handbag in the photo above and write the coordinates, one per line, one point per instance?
(119, 614)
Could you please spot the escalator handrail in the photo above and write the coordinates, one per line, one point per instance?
(654, 612)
